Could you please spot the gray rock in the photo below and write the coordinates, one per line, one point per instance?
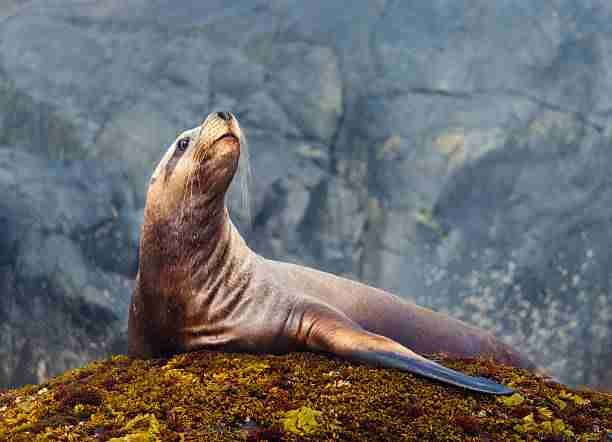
(301, 73)
(63, 301)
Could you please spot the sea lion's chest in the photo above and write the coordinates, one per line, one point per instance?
(245, 311)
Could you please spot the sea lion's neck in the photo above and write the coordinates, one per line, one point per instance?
(199, 249)
(222, 259)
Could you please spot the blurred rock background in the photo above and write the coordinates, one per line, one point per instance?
(455, 152)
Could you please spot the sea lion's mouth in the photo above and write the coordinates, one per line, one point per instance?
(227, 135)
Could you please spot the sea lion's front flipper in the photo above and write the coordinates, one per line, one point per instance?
(321, 328)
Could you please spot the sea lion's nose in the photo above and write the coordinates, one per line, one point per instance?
(224, 115)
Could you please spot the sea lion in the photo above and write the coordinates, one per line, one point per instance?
(199, 285)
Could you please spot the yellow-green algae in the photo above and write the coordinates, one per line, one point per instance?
(301, 396)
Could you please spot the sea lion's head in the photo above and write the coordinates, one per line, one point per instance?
(197, 168)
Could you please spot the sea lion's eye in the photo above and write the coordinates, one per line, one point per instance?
(182, 144)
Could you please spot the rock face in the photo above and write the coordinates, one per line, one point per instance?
(69, 233)
(456, 153)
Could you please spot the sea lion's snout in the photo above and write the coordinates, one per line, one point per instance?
(220, 115)
(227, 116)
(218, 126)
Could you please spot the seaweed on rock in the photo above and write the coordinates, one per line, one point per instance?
(299, 396)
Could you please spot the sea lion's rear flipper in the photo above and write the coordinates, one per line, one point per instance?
(321, 328)
(436, 371)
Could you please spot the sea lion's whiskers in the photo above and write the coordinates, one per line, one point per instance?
(189, 190)
(187, 186)
(190, 182)
(239, 192)
(245, 178)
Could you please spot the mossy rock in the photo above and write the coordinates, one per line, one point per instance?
(301, 396)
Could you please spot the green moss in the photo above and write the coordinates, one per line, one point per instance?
(511, 401)
(303, 421)
(424, 217)
(300, 396)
